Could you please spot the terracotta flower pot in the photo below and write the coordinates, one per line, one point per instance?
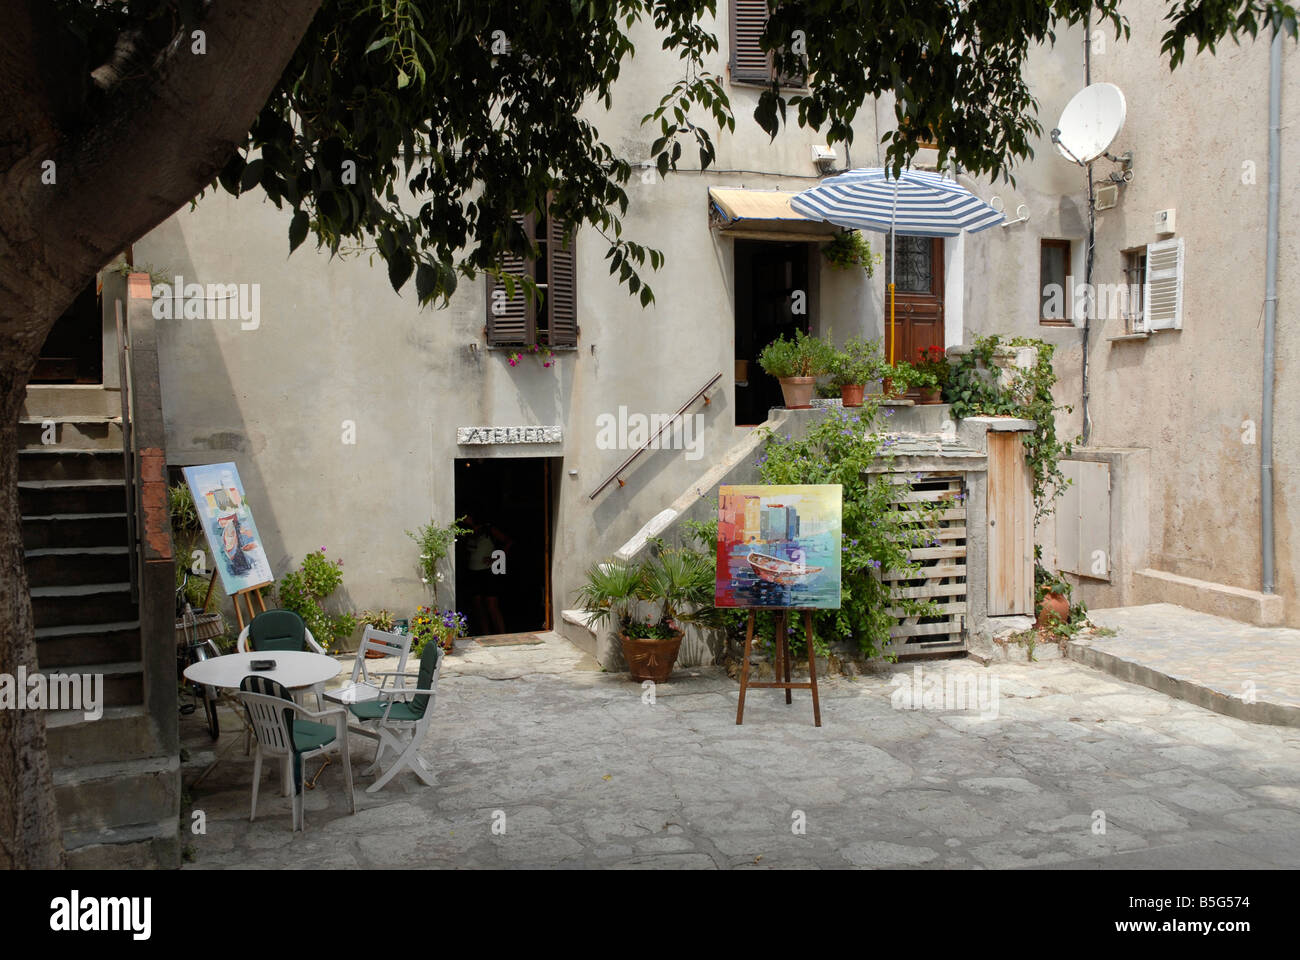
(887, 387)
(851, 394)
(931, 395)
(1054, 604)
(651, 659)
(798, 392)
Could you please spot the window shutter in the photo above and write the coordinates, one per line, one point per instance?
(507, 317)
(562, 299)
(1162, 307)
(749, 62)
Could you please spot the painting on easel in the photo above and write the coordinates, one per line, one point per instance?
(779, 546)
(228, 525)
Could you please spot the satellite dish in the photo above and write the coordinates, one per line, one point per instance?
(1090, 122)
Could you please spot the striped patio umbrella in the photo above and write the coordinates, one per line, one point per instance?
(915, 204)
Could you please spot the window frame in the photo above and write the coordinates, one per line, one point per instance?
(535, 334)
(1068, 247)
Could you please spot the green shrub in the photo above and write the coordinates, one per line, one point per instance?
(804, 356)
(304, 590)
(859, 363)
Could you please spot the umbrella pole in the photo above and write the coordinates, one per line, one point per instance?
(892, 253)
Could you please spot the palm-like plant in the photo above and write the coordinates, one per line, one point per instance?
(611, 591)
(681, 582)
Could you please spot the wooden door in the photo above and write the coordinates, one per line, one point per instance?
(1010, 528)
(918, 297)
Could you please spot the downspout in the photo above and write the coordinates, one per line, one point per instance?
(1092, 237)
(1270, 307)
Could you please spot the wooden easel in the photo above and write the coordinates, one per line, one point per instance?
(248, 596)
(782, 648)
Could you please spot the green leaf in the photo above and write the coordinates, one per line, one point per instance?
(298, 229)
(399, 268)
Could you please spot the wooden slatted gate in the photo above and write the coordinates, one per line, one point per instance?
(942, 577)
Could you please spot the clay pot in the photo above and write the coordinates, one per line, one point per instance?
(851, 394)
(930, 395)
(651, 659)
(887, 387)
(798, 392)
(1053, 603)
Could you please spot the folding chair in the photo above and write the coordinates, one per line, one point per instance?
(366, 683)
(399, 719)
(293, 733)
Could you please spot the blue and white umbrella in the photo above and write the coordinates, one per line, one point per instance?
(915, 204)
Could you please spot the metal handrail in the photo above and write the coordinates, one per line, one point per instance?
(128, 452)
(645, 446)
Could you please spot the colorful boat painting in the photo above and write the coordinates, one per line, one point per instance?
(779, 546)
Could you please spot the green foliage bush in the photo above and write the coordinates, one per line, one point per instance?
(860, 362)
(803, 356)
(304, 591)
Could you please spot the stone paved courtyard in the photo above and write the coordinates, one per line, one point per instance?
(585, 774)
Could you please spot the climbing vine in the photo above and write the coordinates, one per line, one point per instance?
(974, 390)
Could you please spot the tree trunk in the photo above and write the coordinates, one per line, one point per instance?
(167, 120)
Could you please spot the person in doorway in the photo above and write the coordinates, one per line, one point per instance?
(482, 544)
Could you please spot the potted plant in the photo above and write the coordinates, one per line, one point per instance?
(859, 363)
(440, 626)
(435, 543)
(849, 250)
(1053, 594)
(797, 363)
(899, 381)
(932, 367)
(380, 620)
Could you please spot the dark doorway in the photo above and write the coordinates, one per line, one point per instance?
(772, 299)
(918, 298)
(74, 350)
(503, 567)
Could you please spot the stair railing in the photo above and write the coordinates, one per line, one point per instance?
(128, 451)
(616, 475)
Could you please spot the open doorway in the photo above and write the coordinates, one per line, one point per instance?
(503, 566)
(773, 298)
(73, 351)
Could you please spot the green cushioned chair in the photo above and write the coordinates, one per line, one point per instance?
(273, 630)
(399, 719)
(292, 733)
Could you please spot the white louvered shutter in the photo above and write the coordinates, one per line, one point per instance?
(1162, 303)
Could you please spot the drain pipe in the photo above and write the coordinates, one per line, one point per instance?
(1092, 239)
(1270, 307)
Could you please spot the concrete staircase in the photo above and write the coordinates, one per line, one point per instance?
(116, 779)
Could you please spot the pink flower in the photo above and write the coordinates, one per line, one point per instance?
(322, 549)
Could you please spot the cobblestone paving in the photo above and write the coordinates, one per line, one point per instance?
(583, 773)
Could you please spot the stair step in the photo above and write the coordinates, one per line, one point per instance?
(70, 464)
(58, 433)
(69, 566)
(106, 797)
(47, 497)
(66, 400)
(123, 684)
(60, 647)
(81, 604)
(74, 530)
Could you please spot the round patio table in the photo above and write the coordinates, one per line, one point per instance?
(294, 669)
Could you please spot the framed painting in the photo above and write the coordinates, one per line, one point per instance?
(779, 546)
(228, 525)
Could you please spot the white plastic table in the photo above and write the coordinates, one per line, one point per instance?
(294, 669)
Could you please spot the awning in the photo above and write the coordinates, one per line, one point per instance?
(763, 215)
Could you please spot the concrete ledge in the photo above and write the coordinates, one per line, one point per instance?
(1221, 600)
(1125, 668)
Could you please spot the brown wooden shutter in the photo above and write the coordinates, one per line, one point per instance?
(562, 299)
(749, 62)
(508, 317)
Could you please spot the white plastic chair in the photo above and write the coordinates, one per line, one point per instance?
(399, 719)
(294, 734)
(366, 683)
(283, 616)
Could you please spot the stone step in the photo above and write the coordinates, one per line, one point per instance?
(74, 530)
(123, 733)
(59, 647)
(70, 464)
(72, 566)
(123, 684)
(96, 800)
(85, 603)
(70, 400)
(146, 846)
(45, 497)
(74, 433)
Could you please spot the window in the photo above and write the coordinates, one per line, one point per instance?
(1053, 283)
(1135, 275)
(1163, 309)
(551, 319)
(750, 63)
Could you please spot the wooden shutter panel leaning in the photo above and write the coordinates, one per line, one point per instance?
(507, 316)
(562, 299)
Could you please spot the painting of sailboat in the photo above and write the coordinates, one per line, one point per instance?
(779, 546)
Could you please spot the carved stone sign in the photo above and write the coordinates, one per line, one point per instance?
(476, 435)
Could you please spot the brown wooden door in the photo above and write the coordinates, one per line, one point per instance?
(1010, 527)
(918, 297)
